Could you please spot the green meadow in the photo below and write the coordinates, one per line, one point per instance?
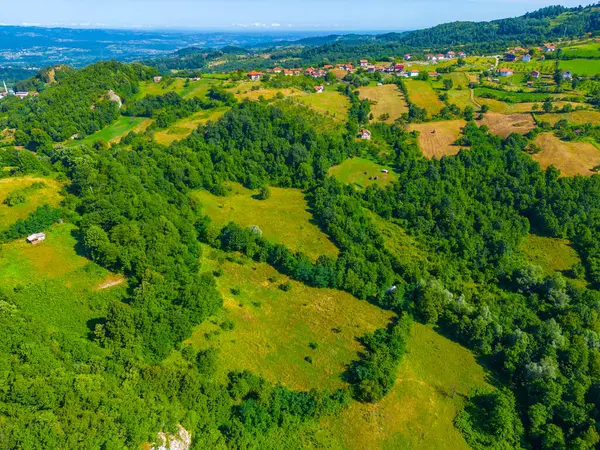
(357, 171)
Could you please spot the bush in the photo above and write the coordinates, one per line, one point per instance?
(286, 287)
(264, 193)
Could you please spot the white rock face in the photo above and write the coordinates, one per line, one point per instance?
(181, 441)
(113, 97)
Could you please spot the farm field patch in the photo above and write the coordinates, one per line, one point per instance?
(572, 158)
(552, 255)
(184, 127)
(505, 124)
(585, 67)
(436, 139)
(115, 131)
(386, 99)
(330, 103)
(421, 93)
(580, 117)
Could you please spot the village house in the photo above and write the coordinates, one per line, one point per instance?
(254, 75)
(567, 75)
(277, 70)
(510, 57)
(407, 57)
(433, 74)
(36, 238)
(365, 134)
(371, 69)
(462, 55)
(451, 55)
(413, 73)
(439, 57)
(309, 71)
(548, 48)
(364, 62)
(157, 79)
(526, 58)
(398, 67)
(429, 57)
(288, 73)
(535, 74)
(319, 89)
(21, 94)
(506, 72)
(327, 67)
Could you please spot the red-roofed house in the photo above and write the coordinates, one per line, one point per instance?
(504, 72)
(364, 62)
(365, 134)
(319, 89)
(451, 55)
(277, 70)
(399, 68)
(254, 75)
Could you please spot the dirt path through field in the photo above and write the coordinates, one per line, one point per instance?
(473, 99)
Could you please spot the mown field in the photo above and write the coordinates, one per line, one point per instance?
(583, 50)
(436, 139)
(34, 197)
(283, 218)
(330, 103)
(505, 124)
(182, 86)
(513, 108)
(572, 158)
(461, 98)
(275, 331)
(356, 171)
(513, 97)
(386, 99)
(435, 376)
(421, 93)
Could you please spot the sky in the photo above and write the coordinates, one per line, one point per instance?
(347, 15)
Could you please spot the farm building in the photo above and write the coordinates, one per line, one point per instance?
(254, 75)
(506, 72)
(157, 79)
(365, 134)
(408, 57)
(319, 89)
(36, 238)
(21, 94)
(510, 57)
(535, 74)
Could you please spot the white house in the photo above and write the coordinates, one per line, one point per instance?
(506, 72)
(526, 58)
(36, 238)
(413, 73)
(567, 75)
(157, 79)
(364, 62)
(319, 89)
(365, 134)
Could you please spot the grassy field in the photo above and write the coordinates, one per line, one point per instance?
(51, 281)
(572, 158)
(386, 99)
(422, 94)
(283, 218)
(436, 139)
(514, 108)
(193, 88)
(583, 50)
(244, 90)
(585, 67)
(38, 197)
(581, 117)
(273, 329)
(330, 103)
(461, 98)
(184, 127)
(115, 131)
(552, 255)
(356, 171)
(505, 124)
(459, 79)
(435, 376)
(513, 97)
(546, 67)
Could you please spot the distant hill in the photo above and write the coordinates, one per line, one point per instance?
(546, 24)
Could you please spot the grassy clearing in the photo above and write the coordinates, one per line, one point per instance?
(436, 139)
(459, 79)
(330, 103)
(513, 97)
(184, 127)
(115, 131)
(581, 117)
(434, 378)
(45, 195)
(505, 124)
(52, 282)
(386, 99)
(273, 329)
(547, 67)
(552, 255)
(283, 218)
(356, 171)
(245, 90)
(572, 158)
(422, 94)
(192, 89)
(585, 67)
(461, 98)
